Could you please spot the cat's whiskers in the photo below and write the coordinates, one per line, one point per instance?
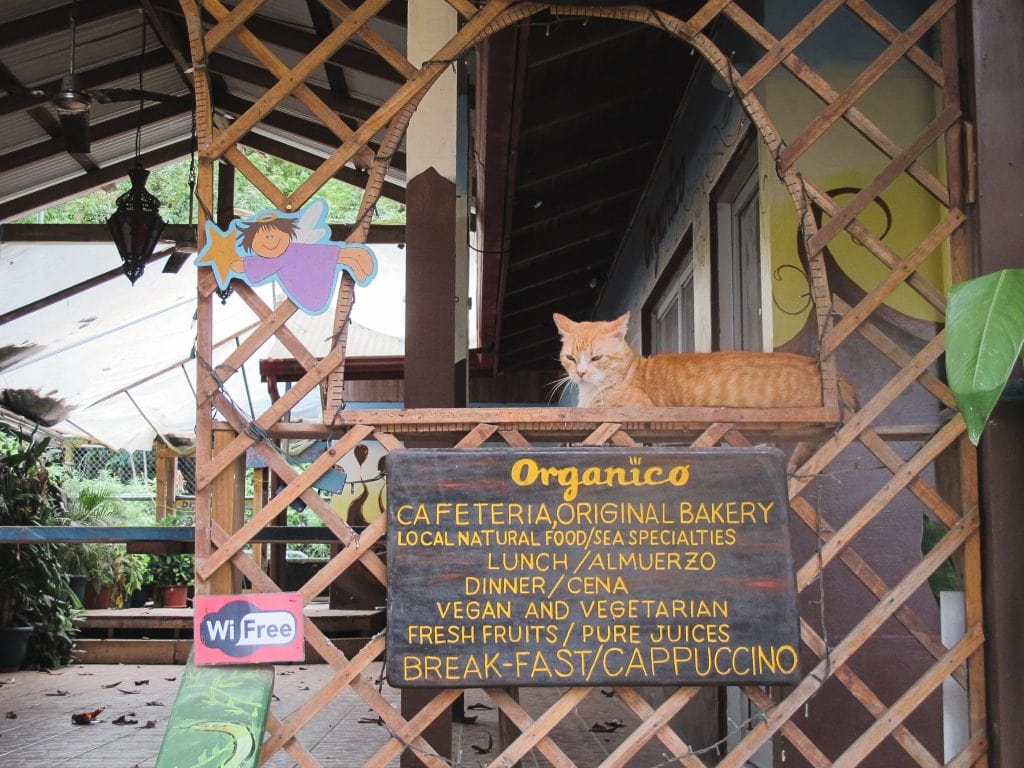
(559, 387)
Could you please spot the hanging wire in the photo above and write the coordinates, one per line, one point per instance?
(142, 64)
(192, 170)
(146, 418)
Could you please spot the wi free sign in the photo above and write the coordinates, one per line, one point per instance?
(250, 629)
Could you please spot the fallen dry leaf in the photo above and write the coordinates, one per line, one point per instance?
(86, 718)
(608, 726)
(483, 750)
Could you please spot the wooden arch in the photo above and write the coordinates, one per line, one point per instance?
(223, 442)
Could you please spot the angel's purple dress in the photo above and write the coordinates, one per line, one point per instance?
(306, 271)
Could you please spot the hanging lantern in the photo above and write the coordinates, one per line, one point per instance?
(136, 225)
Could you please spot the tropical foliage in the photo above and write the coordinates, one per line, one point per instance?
(174, 569)
(170, 184)
(984, 336)
(36, 589)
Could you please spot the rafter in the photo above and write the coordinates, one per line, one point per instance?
(94, 77)
(228, 67)
(43, 23)
(99, 130)
(65, 190)
(310, 161)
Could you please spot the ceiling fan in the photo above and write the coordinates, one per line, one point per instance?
(73, 103)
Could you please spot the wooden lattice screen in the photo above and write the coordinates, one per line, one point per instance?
(222, 442)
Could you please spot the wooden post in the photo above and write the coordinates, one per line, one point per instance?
(227, 510)
(260, 485)
(999, 230)
(166, 478)
(432, 376)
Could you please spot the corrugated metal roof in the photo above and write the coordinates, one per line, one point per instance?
(48, 173)
(21, 132)
(35, 46)
(99, 42)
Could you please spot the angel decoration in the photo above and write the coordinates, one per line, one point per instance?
(295, 250)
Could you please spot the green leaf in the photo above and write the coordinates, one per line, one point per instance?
(984, 335)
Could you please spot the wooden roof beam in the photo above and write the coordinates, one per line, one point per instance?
(500, 81)
(565, 236)
(394, 12)
(323, 23)
(297, 125)
(580, 198)
(595, 98)
(45, 119)
(96, 77)
(346, 106)
(98, 131)
(571, 259)
(555, 161)
(66, 189)
(599, 33)
(175, 39)
(311, 162)
(350, 56)
(56, 19)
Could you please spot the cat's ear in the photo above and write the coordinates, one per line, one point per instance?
(563, 323)
(620, 326)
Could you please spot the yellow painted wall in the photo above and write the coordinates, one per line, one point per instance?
(901, 104)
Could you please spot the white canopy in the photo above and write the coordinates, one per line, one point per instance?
(121, 357)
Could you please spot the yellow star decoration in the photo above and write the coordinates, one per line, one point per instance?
(219, 253)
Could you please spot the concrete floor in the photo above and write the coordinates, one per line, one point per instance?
(36, 729)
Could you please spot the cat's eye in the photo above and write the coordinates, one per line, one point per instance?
(596, 357)
(570, 358)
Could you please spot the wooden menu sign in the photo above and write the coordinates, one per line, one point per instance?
(601, 566)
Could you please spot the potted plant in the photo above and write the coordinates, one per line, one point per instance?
(114, 575)
(37, 607)
(102, 576)
(135, 582)
(91, 503)
(172, 575)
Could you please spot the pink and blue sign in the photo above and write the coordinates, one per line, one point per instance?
(249, 629)
(294, 250)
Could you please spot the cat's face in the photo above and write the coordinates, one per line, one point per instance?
(594, 354)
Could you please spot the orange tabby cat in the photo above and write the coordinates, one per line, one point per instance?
(607, 373)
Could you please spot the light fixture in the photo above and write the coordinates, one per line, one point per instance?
(136, 225)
